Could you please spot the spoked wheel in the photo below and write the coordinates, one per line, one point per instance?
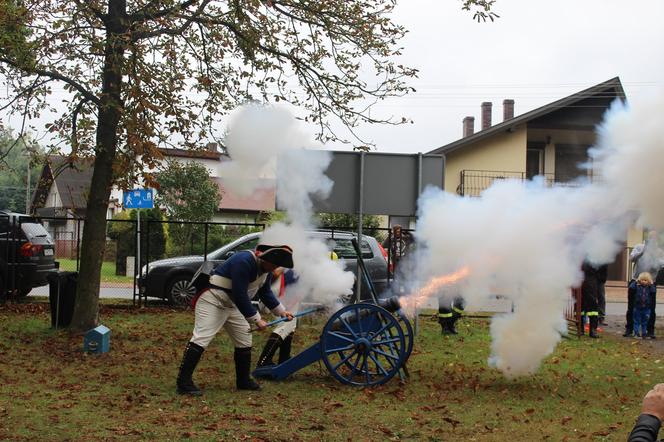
(407, 331)
(363, 345)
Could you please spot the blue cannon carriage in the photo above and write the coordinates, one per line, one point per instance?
(361, 344)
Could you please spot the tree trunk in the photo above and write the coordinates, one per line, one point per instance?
(86, 310)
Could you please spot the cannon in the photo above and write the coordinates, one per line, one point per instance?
(361, 344)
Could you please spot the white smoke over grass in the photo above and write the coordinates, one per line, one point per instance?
(258, 137)
(527, 241)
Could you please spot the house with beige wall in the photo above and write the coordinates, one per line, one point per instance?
(551, 141)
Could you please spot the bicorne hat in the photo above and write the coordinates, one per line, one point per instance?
(281, 256)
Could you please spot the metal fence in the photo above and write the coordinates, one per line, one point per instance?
(474, 182)
(121, 266)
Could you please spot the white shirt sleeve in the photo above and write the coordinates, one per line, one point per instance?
(278, 310)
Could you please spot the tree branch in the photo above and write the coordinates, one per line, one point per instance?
(56, 76)
(144, 13)
(74, 119)
(167, 31)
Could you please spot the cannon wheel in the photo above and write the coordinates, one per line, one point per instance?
(363, 345)
(408, 333)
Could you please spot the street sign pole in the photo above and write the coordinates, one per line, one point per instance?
(138, 199)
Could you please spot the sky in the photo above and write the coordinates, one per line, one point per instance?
(535, 53)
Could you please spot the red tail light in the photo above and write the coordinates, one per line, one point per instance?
(28, 249)
(390, 267)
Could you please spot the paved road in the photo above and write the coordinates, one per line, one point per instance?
(106, 292)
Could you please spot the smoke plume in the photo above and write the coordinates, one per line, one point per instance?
(526, 241)
(259, 137)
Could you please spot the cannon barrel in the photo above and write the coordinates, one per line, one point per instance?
(390, 304)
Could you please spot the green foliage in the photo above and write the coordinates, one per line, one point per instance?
(14, 33)
(187, 192)
(15, 156)
(347, 221)
(273, 216)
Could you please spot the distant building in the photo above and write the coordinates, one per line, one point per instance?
(63, 190)
(550, 142)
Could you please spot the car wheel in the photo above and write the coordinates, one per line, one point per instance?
(180, 291)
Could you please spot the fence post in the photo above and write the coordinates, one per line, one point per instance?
(147, 248)
(205, 242)
(78, 242)
(136, 260)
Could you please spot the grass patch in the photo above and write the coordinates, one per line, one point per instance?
(50, 390)
(107, 271)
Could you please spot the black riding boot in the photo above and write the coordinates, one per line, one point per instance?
(451, 327)
(592, 330)
(273, 342)
(443, 325)
(285, 348)
(243, 379)
(185, 385)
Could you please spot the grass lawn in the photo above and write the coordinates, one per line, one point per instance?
(50, 390)
(107, 271)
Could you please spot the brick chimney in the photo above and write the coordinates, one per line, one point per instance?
(468, 126)
(508, 109)
(486, 115)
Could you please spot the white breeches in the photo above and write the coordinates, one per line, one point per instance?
(214, 310)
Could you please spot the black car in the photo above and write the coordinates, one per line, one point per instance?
(27, 254)
(171, 278)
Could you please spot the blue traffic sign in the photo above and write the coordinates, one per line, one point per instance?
(138, 199)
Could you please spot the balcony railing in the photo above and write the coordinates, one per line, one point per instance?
(474, 182)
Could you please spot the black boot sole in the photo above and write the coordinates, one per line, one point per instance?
(251, 387)
(183, 391)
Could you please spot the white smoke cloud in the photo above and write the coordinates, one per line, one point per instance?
(259, 137)
(527, 241)
(630, 157)
(256, 136)
(301, 176)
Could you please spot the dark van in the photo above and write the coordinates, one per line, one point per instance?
(27, 254)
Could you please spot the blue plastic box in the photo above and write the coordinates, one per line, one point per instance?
(97, 340)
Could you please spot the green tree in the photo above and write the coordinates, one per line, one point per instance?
(347, 221)
(135, 73)
(16, 155)
(188, 194)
